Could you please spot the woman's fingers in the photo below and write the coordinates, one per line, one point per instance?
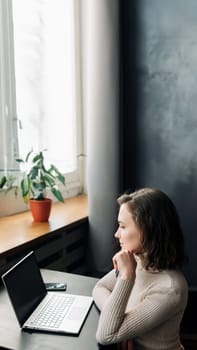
(115, 262)
(125, 263)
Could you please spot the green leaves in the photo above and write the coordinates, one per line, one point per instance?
(8, 183)
(3, 180)
(55, 171)
(57, 194)
(26, 188)
(37, 177)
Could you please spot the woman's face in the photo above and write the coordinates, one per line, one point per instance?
(128, 233)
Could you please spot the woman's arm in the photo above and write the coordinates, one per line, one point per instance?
(125, 263)
(115, 325)
(103, 289)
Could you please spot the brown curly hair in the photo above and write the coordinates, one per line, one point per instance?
(156, 216)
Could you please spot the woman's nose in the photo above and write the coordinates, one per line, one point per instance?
(116, 234)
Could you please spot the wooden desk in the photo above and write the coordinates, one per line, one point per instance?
(52, 240)
(12, 337)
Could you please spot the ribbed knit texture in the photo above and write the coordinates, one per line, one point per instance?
(148, 310)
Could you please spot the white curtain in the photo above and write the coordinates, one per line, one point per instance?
(101, 108)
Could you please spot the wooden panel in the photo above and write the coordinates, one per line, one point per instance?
(72, 253)
(19, 230)
(58, 249)
(49, 248)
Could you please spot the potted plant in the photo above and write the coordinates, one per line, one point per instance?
(36, 179)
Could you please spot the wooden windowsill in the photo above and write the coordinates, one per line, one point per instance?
(20, 229)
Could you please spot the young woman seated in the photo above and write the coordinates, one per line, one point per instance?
(142, 300)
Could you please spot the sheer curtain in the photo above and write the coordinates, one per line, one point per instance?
(101, 108)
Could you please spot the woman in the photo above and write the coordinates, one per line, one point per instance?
(142, 300)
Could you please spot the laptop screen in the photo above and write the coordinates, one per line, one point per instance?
(25, 287)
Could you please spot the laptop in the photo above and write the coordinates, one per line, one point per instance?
(39, 310)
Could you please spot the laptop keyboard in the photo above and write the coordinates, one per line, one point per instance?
(54, 311)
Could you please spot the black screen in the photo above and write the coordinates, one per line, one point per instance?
(25, 286)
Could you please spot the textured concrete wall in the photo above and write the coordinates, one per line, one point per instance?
(165, 130)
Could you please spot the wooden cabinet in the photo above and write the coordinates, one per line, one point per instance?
(64, 250)
(59, 244)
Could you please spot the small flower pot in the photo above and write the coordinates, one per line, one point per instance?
(40, 209)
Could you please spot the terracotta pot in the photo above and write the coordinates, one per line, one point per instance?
(40, 209)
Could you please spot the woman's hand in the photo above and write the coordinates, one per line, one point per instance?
(125, 263)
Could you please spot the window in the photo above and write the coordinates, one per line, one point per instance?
(38, 91)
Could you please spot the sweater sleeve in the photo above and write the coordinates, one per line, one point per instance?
(115, 325)
(103, 289)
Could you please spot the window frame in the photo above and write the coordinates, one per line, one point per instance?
(74, 180)
(7, 82)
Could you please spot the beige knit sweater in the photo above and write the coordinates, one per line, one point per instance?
(148, 310)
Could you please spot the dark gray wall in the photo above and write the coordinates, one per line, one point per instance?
(160, 105)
